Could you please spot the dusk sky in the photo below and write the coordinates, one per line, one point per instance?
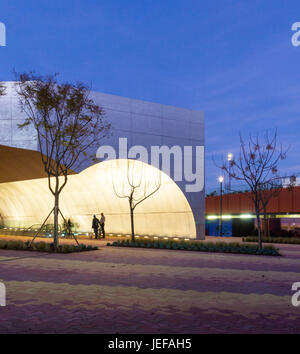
(234, 60)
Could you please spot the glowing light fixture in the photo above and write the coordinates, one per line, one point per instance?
(212, 217)
(226, 216)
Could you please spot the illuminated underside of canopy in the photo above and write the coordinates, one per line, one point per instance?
(165, 213)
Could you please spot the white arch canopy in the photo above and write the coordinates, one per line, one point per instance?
(165, 213)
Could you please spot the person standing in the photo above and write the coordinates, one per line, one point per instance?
(102, 223)
(69, 227)
(95, 226)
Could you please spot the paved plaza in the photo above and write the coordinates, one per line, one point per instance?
(125, 290)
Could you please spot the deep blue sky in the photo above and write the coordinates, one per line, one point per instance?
(232, 59)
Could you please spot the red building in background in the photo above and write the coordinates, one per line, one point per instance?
(238, 215)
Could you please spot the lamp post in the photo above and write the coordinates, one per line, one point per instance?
(221, 179)
(229, 158)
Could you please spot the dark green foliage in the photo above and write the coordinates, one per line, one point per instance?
(43, 246)
(221, 247)
(287, 240)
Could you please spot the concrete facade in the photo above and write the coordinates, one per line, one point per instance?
(142, 123)
(10, 117)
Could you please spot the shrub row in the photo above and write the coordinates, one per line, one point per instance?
(43, 246)
(198, 246)
(290, 240)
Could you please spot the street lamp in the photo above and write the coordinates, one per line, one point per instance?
(229, 158)
(221, 179)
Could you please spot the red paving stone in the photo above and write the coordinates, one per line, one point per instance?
(124, 290)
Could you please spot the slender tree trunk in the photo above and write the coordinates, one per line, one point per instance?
(258, 229)
(266, 226)
(56, 211)
(132, 224)
(265, 234)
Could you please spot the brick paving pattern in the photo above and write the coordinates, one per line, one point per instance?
(125, 290)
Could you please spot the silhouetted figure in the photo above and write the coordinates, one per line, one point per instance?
(102, 223)
(69, 227)
(95, 226)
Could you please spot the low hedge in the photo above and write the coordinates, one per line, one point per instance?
(287, 240)
(221, 247)
(43, 246)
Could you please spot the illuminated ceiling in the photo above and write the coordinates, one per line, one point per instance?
(165, 213)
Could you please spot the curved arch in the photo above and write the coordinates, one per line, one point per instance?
(165, 213)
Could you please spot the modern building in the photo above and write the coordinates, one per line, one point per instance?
(238, 215)
(140, 123)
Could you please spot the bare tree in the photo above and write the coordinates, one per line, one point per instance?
(270, 190)
(267, 192)
(257, 166)
(68, 125)
(136, 186)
